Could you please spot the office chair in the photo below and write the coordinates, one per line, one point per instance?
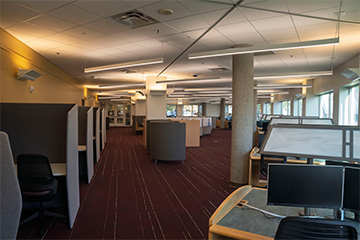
(315, 228)
(37, 184)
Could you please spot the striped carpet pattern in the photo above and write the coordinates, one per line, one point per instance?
(131, 197)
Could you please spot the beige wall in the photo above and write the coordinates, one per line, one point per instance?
(54, 86)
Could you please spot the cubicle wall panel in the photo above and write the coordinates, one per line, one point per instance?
(97, 132)
(36, 128)
(82, 127)
(90, 143)
(311, 141)
(72, 166)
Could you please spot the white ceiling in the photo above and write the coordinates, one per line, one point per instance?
(78, 34)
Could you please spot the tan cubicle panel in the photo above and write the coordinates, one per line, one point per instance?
(96, 133)
(192, 132)
(50, 130)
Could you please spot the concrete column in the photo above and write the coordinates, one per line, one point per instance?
(204, 112)
(243, 117)
(222, 113)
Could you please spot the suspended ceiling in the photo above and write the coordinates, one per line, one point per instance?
(78, 34)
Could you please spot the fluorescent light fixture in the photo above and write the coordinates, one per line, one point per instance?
(121, 86)
(264, 97)
(294, 75)
(275, 47)
(124, 65)
(207, 89)
(264, 87)
(276, 93)
(188, 80)
(212, 95)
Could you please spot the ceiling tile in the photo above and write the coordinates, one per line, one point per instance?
(103, 8)
(280, 36)
(43, 6)
(153, 10)
(19, 12)
(89, 45)
(64, 38)
(22, 36)
(6, 22)
(52, 23)
(188, 24)
(197, 7)
(74, 14)
(139, 3)
(272, 24)
(43, 44)
(106, 26)
(83, 33)
(31, 29)
(310, 5)
(236, 29)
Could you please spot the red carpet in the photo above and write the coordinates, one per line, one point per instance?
(131, 197)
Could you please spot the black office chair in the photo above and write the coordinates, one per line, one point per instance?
(37, 184)
(315, 228)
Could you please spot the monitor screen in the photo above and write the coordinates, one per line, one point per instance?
(352, 189)
(305, 185)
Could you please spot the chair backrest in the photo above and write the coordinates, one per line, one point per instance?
(34, 173)
(10, 196)
(315, 228)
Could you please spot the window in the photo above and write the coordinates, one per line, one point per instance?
(267, 108)
(171, 110)
(298, 107)
(190, 110)
(258, 111)
(326, 105)
(285, 107)
(228, 111)
(351, 108)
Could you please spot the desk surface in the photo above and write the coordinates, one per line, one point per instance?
(59, 169)
(242, 222)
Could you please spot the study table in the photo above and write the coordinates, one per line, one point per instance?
(233, 221)
(58, 169)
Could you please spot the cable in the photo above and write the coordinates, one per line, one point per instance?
(208, 30)
(261, 210)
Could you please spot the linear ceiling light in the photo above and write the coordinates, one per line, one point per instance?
(206, 89)
(294, 75)
(264, 87)
(124, 65)
(275, 47)
(189, 80)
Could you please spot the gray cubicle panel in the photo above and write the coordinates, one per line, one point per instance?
(148, 131)
(167, 140)
(103, 128)
(313, 141)
(269, 117)
(50, 130)
(86, 129)
(96, 134)
(302, 120)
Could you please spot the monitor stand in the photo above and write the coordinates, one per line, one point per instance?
(306, 212)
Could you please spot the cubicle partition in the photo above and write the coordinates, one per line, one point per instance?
(96, 134)
(86, 135)
(192, 131)
(137, 124)
(302, 120)
(102, 129)
(50, 130)
(313, 141)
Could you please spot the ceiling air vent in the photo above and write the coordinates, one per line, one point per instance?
(134, 19)
(219, 69)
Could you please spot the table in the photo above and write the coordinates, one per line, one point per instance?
(233, 221)
(58, 169)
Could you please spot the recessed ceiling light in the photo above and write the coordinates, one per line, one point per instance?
(166, 11)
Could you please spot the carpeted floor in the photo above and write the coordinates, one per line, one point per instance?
(131, 197)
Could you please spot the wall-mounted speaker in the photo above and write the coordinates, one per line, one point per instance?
(27, 74)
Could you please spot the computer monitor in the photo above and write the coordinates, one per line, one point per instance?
(352, 189)
(305, 185)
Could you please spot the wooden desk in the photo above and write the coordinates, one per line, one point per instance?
(233, 221)
(58, 169)
(82, 148)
